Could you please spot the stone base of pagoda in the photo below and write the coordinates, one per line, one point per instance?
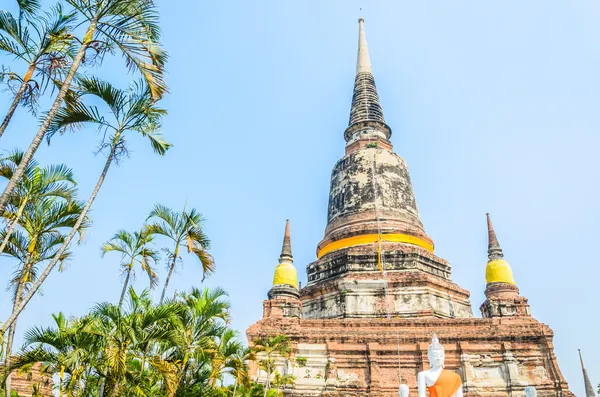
(503, 300)
(371, 357)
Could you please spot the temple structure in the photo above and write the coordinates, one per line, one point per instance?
(377, 291)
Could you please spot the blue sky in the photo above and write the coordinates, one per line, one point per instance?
(494, 105)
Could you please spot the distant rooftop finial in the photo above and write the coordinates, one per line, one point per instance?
(589, 388)
(494, 250)
(286, 249)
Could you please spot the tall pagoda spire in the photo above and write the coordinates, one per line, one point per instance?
(589, 388)
(494, 250)
(286, 248)
(366, 114)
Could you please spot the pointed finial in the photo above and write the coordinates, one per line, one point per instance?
(286, 249)
(589, 388)
(494, 250)
(363, 63)
(366, 116)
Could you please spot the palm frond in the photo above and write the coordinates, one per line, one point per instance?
(74, 118)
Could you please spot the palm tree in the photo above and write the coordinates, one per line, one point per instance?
(109, 344)
(39, 241)
(133, 248)
(269, 347)
(38, 183)
(227, 346)
(127, 334)
(184, 229)
(68, 351)
(44, 43)
(131, 27)
(132, 111)
(280, 381)
(203, 318)
(238, 368)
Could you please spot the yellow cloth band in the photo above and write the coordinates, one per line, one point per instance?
(372, 239)
(499, 271)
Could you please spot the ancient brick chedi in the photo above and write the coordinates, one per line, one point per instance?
(377, 291)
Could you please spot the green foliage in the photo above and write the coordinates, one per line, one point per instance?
(183, 230)
(301, 361)
(267, 349)
(181, 348)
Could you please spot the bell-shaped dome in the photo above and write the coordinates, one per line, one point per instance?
(285, 273)
(499, 271)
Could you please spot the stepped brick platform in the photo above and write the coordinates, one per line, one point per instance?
(368, 357)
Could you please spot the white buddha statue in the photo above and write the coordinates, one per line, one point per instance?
(403, 390)
(530, 391)
(439, 381)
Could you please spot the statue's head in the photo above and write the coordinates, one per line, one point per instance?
(435, 353)
(530, 391)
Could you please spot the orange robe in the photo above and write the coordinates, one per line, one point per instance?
(446, 384)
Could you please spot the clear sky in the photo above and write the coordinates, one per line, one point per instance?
(494, 105)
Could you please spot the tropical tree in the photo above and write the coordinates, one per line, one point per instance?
(44, 43)
(66, 350)
(282, 380)
(227, 346)
(238, 369)
(267, 349)
(183, 229)
(133, 248)
(37, 184)
(107, 350)
(38, 240)
(128, 334)
(180, 348)
(204, 317)
(129, 27)
(131, 111)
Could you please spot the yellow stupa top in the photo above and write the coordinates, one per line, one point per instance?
(499, 271)
(285, 273)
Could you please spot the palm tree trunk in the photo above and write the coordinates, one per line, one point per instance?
(67, 241)
(11, 331)
(17, 99)
(171, 268)
(11, 229)
(125, 285)
(235, 385)
(268, 383)
(101, 388)
(9, 343)
(39, 136)
(115, 389)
